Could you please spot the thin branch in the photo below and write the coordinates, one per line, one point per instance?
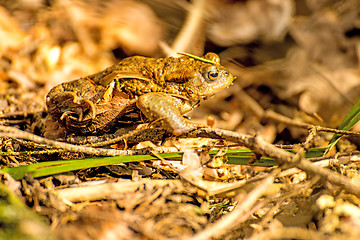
(237, 216)
(119, 138)
(15, 133)
(191, 28)
(269, 114)
(280, 156)
(39, 152)
(99, 190)
(254, 143)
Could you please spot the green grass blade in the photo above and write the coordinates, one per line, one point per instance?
(197, 57)
(350, 120)
(235, 156)
(56, 167)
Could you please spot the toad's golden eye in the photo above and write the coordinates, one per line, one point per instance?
(212, 75)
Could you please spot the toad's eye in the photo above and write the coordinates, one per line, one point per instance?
(212, 75)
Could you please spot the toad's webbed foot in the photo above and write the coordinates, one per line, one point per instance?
(81, 107)
(72, 110)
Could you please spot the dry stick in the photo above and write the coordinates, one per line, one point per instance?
(117, 139)
(249, 102)
(281, 118)
(233, 219)
(201, 184)
(280, 156)
(322, 163)
(190, 29)
(270, 114)
(254, 143)
(98, 190)
(39, 152)
(301, 152)
(16, 133)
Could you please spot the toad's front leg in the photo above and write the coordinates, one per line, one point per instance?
(168, 110)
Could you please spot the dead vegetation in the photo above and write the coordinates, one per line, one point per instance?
(298, 75)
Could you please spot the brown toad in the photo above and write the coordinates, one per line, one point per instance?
(162, 89)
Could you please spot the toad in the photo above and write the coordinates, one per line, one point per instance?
(136, 89)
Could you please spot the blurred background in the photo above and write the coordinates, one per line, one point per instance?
(299, 59)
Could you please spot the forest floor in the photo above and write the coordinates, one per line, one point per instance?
(256, 171)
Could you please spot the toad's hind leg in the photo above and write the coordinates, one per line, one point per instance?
(166, 109)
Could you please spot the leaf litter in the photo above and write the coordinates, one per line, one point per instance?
(299, 59)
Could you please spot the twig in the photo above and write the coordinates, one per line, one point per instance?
(310, 137)
(254, 143)
(246, 100)
(117, 139)
(16, 133)
(280, 156)
(269, 114)
(99, 190)
(324, 162)
(191, 28)
(304, 147)
(134, 137)
(39, 152)
(236, 217)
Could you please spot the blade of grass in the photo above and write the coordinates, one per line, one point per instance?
(235, 156)
(55, 167)
(350, 120)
